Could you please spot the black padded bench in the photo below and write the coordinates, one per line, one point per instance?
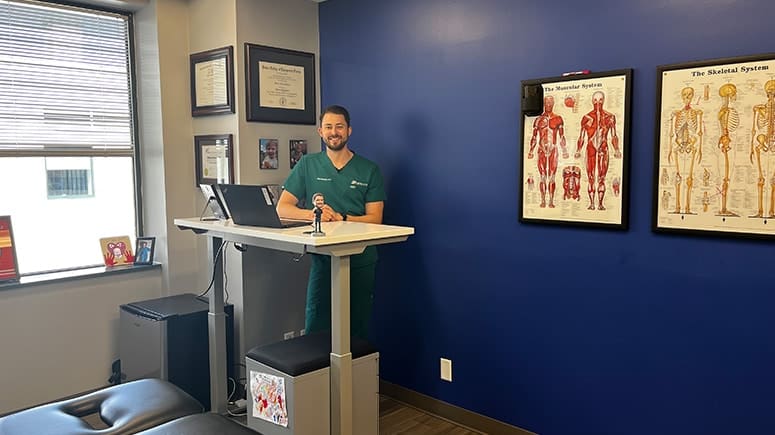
(200, 424)
(126, 409)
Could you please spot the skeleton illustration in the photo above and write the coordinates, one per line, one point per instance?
(596, 126)
(729, 120)
(764, 142)
(686, 133)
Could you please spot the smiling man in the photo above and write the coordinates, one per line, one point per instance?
(354, 191)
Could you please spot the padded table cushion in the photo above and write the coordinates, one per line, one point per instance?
(304, 354)
(200, 424)
(125, 409)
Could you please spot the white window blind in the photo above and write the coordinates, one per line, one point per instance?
(65, 85)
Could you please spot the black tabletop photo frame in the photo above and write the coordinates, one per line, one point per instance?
(212, 82)
(280, 85)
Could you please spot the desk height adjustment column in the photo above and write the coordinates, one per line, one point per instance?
(216, 323)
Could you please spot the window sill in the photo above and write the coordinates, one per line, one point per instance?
(74, 275)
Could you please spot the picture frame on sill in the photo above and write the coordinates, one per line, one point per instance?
(9, 266)
(145, 248)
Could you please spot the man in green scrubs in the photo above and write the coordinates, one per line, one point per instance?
(354, 191)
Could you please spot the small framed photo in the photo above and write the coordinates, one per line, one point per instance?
(145, 247)
(298, 149)
(267, 153)
(9, 269)
(280, 85)
(214, 159)
(117, 251)
(212, 82)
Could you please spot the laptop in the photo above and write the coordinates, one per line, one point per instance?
(214, 201)
(254, 205)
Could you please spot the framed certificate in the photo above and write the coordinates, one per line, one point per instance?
(212, 82)
(214, 159)
(280, 85)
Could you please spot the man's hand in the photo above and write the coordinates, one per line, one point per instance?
(329, 214)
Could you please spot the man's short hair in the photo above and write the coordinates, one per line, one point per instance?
(336, 110)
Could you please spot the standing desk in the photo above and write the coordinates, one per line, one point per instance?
(342, 240)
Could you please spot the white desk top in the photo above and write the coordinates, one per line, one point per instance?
(337, 233)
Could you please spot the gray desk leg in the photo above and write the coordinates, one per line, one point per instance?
(341, 358)
(216, 321)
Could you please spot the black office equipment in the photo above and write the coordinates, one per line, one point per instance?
(167, 338)
(532, 99)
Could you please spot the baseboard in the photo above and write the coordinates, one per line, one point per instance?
(455, 414)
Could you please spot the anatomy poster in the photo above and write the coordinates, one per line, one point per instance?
(715, 164)
(575, 153)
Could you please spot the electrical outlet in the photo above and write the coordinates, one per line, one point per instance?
(288, 335)
(446, 369)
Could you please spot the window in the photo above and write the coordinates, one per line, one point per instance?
(67, 143)
(68, 177)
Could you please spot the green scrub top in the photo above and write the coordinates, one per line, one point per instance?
(346, 191)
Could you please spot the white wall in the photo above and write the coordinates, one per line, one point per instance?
(59, 340)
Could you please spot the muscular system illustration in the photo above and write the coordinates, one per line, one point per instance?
(596, 127)
(547, 128)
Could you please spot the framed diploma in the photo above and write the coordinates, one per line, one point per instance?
(714, 171)
(214, 159)
(212, 82)
(280, 85)
(576, 151)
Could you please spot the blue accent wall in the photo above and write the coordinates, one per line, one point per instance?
(559, 330)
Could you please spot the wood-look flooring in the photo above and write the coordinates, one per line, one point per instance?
(396, 418)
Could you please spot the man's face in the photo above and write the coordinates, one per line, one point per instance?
(334, 131)
(319, 201)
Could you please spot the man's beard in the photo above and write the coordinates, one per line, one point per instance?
(342, 143)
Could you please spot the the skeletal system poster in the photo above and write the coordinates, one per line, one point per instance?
(716, 147)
